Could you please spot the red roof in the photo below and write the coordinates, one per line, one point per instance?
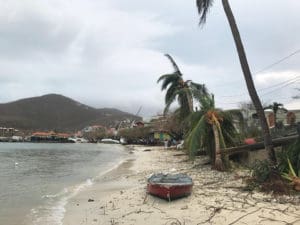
(43, 134)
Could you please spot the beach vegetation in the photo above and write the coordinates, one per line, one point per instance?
(134, 134)
(289, 158)
(260, 171)
(264, 178)
(292, 176)
(173, 124)
(95, 135)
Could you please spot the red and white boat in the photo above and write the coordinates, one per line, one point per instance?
(169, 186)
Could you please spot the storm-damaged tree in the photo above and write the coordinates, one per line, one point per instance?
(211, 129)
(203, 8)
(183, 91)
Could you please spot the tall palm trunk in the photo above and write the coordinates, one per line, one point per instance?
(218, 164)
(249, 81)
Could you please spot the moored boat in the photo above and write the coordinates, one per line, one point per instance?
(109, 141)
(169, 186)
(77, 140)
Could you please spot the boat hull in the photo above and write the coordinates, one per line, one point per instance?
(169, 187)
(169, 192)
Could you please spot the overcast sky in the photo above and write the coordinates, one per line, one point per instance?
(110, 53)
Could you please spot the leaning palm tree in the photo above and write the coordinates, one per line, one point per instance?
(203, 8)
(177, 88)
(211, 129)
(275, 107)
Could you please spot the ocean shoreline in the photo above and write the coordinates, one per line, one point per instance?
(85, 186)
(51, 206)
(107, 183)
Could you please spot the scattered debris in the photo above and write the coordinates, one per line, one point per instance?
(184, 207)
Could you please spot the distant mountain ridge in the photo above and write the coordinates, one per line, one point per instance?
(57, 112)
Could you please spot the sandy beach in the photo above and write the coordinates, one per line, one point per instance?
(119, 197)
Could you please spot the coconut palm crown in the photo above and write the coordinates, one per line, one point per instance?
(203, 7)
(178, 89)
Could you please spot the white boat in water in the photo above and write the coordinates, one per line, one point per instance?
(123, 141)
(109, 141)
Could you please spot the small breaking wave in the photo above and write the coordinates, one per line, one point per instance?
(54, 209)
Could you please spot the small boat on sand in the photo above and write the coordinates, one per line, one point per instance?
(169, 186)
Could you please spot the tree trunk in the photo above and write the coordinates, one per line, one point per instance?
(249, 81)
(190, 102)
(218, 164)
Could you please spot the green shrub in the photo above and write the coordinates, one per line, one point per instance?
(291, 152)
(261, 171)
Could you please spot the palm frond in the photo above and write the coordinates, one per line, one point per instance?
(276, 107)
(192, 119)
(171, 93)
(195, 137)
(184, 98)
(207, 102)
(167, 76)
(176, 68)
(268, 107)
(184, 110)
(228, 129)
(163, 77)
(169, 79)
(203, 8)
(198, 90)
(169, 102)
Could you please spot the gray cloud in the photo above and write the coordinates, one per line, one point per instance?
(109, 53)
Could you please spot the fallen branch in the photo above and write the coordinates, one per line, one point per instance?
(136, 212)
(212, 215)
(247, 214)
(159, 209)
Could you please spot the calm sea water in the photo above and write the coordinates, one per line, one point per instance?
(37, 180)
